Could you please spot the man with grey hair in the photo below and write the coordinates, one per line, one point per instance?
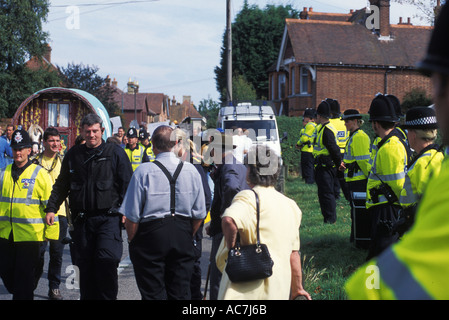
(164, 207)
(94, 176)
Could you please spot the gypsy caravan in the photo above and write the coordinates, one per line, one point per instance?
(62, 108)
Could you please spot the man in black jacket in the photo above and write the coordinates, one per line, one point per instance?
(95, 176)
(229, 179)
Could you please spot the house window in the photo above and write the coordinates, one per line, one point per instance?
(281, 84)
(273, 88)
(58, 114)
(292, 76)
(304, 82)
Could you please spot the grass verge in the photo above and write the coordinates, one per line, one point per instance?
(328, 257)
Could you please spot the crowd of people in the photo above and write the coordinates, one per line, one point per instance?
(160, 192)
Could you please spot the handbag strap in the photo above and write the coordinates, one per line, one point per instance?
(258, 216)
(237, 240)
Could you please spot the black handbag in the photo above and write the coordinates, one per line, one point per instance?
(251, 262)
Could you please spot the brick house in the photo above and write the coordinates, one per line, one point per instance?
(328, 55)
(146, 107)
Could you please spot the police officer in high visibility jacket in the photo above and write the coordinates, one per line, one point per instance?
(342, 139)
(356, 158)
(387, 175)
(305, 144)
(144, 141)
(135, 152)
(327, 159)
(25, 188)
(416, 267)
(421, 125)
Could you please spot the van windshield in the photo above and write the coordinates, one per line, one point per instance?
(260, 129)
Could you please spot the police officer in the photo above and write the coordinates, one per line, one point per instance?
(144, 141)
(387, 175)
(327, 159)
(421, 125)
(24, 226)
(135, 152)
(305, 144)
(415, 268)
(356, 167)
(342, 138)
(95, 176)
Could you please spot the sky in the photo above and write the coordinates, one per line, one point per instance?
(167, 46)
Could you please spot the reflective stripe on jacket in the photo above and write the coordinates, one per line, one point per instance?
(318, 147)
(427, 166)
(342, 134)
(135, 156)
(22, 205)
(306, 137)
(357, 156)
(389, 167)
(416, 266)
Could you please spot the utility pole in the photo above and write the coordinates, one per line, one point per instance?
(229, 51)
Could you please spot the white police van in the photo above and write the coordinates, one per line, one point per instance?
(259, 120)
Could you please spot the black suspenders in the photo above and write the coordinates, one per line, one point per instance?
(172, 180)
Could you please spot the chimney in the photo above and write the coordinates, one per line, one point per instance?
(108, 81)
(384, 18)
(47, 53)
(304, 14)
(114, 83)
(400, 20)
(133, 86)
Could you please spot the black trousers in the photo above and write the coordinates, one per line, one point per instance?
(98, 243)
(163, 256)
(18, 263)
(383, 217)
(56, 251)
(307, 167)
(325, 180)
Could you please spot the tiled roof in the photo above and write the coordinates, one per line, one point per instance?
(346, 43)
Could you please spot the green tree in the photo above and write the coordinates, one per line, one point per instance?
(22, 37)
(209, 109)
(417, 97)
(256, 40)
(86, 78)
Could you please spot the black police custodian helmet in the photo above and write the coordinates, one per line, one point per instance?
(335, 107)
(132, 133)
(421, 118)
(143, 134)
(324, 109)
(20, 139)
(396, 104)
(437, 58)
(382, 109)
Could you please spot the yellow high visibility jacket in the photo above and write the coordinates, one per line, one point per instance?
(427, 165)
(318, 147)
(373, 150)
(342, 135)
(150, 153)
(416, 266)
(22, 205)
(357, 156)
(135, 156)
(306, 137)
(389, 167)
